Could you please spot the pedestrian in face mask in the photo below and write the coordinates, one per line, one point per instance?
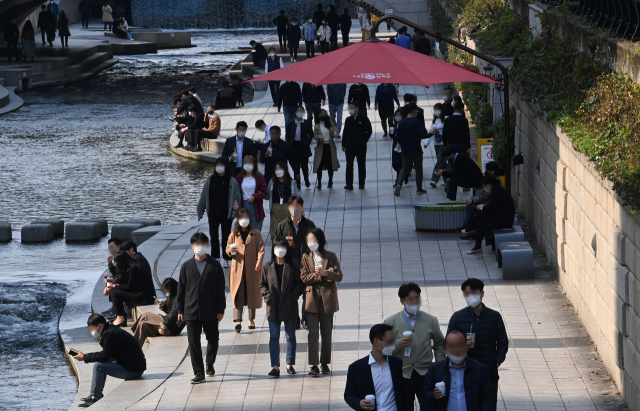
(275, 151)
(281, 287)
(254, 190)
(414, 331)
(457, 382)
(127, 362)
(246, 248)
(201, 276)
(485, 331)
(320, 271)
(375, 381)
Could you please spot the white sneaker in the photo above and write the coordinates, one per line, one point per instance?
(295, 60)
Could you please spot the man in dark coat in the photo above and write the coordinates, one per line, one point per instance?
(194, 100)
(294, 35)
(467, 384)
(299, 134)
(85, 10)
(44, 19)
(499, 212)
(313, 97)
(359, 94)
(462, 172)
(259, 53)
(282, 23)
(11, 36)
(456, 130)
(238, 88)
(345, 27)
(130, 248)
(379, 374)
(227, 97)
(355, 136)
(333, 20)
(238, 147)
(121, 357)
(289, 98)
(201, 303)
(319, 15)
(423, 44)
(274, 151)
(490, 342)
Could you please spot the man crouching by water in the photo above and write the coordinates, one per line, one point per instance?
(121, 357)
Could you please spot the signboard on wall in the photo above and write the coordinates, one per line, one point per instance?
(484, 153)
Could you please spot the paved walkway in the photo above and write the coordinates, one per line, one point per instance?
(551, 364)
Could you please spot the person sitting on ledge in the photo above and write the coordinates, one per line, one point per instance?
(226, 97)
(462, 172)
(121, 357)
(259, 54)
(195, 123)
(117, 30)
(482, 197)
(153, 325)
(211, 129)
(130, 248)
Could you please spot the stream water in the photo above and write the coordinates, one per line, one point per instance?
(98, 148)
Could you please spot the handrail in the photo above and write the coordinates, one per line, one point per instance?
(489, 59)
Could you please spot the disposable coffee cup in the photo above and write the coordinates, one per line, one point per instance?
(371, 398)
(471, 337)
(407, 333)
(233, 249)
(317, 263)
(392, 130)
(289, 239)
(442, 387)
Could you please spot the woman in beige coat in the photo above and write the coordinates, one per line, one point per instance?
(320, 271)
(246, 248)
(326, 157)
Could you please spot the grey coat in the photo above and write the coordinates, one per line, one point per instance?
(281, 299)
(234, 194)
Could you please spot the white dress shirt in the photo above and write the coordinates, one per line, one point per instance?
(239, 151)
(383, 384)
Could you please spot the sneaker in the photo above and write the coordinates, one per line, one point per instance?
(330, 184)
(348, 187)
(314, 370)
(198, 379)
(396, 190)
(238, 327)
(90, 400)
(210, 371)
(295, 60)
(307, 183)
(325, 369)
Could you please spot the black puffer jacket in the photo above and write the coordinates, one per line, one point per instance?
(477, 386)
(119, 346)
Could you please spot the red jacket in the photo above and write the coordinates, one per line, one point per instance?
(259, 195)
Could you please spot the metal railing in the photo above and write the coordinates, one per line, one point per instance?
(621, 17)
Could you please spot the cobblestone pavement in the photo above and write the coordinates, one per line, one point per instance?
(551, 363)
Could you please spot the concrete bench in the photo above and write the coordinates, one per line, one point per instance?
(58, 226)
(79, 232)
(143, 234)
(439, 216)
(122, 231)
(500, 235)
(104, 225)
(5, 231)
(36, 233)
(516, 260)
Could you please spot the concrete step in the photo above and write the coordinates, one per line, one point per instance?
(71, 69)
(86, 69)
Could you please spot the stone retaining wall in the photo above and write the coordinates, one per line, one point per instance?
(589, 238)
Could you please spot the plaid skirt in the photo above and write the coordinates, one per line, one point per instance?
(29, 48)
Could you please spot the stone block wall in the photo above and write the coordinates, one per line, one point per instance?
(589, 238)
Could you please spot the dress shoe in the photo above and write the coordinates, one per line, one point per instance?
(275, 372)
(252, 326)
(211, 371)
(307, 183)
(314, 370)
(348, 187)
(421, 191)
(475, 251)
(361, 187)
(330, 184)
(396, 190)
(291, 370)
(319, 186)
(325, 369)
(121, 325)
(238, 327)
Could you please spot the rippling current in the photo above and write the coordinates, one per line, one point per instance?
(98, 148)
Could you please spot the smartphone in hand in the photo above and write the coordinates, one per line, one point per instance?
(73, 352)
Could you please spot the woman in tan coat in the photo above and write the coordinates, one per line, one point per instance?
(246, 248)
(326, 157)
(320, 271)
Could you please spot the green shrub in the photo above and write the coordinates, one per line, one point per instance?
(498, 139)
(504, 36)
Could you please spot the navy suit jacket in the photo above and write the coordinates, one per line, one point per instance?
(360, 383)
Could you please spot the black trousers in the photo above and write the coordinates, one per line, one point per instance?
(302, 161)
(414, 387)
(119, 298)
(361, 155)
(385, 111)
(324, 47)
(411, 161)
(333, 40)
(465, 182)
(43, 34)
(274, 86)
(282, 38)
(483, 229)
(494, 377)
(345, 38)
(13, 44)
(85, 20)
(311, 48)
(326, 162)
(194, 330)
(224, 223)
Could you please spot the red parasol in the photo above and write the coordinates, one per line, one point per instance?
(374, 61)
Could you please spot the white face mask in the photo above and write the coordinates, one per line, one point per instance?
(295, 211)
(95, 334)
(280, 252)
(220, 170)
(313, 246)
(300, 114)
(192, 114)
(241, 133)
(200, 250)
(456, 360)
(310, 21)
(167, 295)
(387, 351)
(279, 173)
(272, 54)
(352, 112)
(412, 309)
(474, 300)
(398, 118)
(244, 222)
(453, 103)
(247, 167)
(437, 113)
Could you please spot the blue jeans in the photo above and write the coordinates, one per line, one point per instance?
(274, 341)
(289, 114)
(311, 109)
(252, 211)
(112, 369)
(336, 110)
